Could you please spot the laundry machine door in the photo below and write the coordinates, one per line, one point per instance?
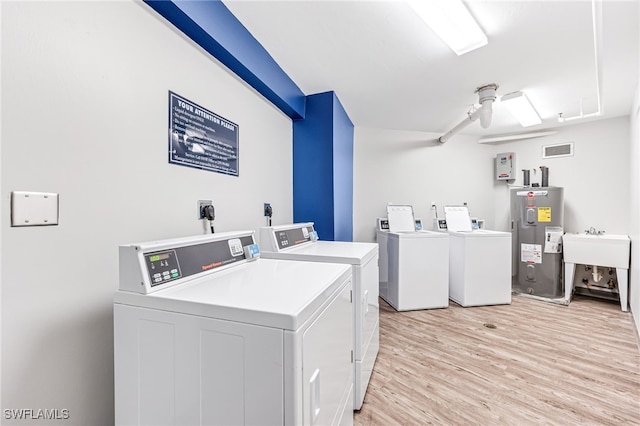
(327, 370)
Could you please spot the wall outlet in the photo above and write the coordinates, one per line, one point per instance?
(201, 205)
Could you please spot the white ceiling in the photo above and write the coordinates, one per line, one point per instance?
(389, 69)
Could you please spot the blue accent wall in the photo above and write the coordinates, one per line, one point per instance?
(322, 130)
(342, 173)
(323, 168)
(213, 27)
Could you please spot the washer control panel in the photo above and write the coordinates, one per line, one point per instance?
(162, 267)
(383, 224)
(147, 267)
(295, 236)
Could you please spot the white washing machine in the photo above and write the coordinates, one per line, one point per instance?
(479, 262)
(299, 242)
(207, 333)
(417, 268)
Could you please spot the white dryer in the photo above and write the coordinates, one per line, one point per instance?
(205, 336)
(479, 262)
(299, 242)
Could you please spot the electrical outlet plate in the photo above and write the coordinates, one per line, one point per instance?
(201, 204)
(34, 208)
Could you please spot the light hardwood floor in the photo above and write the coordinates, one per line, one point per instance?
(542, 364)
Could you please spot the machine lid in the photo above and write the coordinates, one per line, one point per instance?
(401, 218)
(480, 233)
(458, 218)
(418, 234)
(353, 253)
(282, 294)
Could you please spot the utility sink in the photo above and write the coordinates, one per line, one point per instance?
(601, 250)
(606, 250)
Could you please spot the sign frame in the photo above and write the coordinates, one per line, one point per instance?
(201, 139)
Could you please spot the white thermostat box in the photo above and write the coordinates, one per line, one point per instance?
(506, 166)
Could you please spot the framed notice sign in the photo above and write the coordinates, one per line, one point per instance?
(201, 139)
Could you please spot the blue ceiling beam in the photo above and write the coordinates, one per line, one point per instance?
(212, 26)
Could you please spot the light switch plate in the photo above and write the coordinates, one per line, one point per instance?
(34, 208)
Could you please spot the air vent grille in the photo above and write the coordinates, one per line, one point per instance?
(559, 150)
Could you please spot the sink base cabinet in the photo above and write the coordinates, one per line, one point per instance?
(622, 282)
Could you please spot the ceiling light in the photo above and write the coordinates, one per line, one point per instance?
(506, 138)
(520, 107)
(452, 22)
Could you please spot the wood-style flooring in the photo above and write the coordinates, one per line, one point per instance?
(542, 364)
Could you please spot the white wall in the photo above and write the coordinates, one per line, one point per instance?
(413, 168)
(85, 114)
(634, 211)
(595, 179)
(1, 405)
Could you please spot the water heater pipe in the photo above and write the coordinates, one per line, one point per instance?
(545, 176)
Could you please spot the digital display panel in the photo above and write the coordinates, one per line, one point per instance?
(158, 257)
(162, 267)
(168, 265)
(293, 237)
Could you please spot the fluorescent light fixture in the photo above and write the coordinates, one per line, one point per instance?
(452, 22)
(520, 107)
(519, 136)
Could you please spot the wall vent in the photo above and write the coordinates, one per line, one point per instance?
(558, 150)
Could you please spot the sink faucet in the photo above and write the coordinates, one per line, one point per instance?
(593, 231)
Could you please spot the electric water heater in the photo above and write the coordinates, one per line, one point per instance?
(537, 216)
